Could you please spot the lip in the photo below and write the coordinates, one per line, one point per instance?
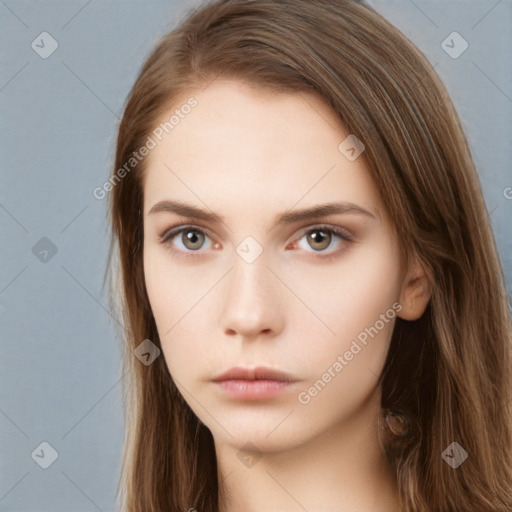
(254, 383)
(258, 373)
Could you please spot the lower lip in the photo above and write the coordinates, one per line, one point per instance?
(253, 389)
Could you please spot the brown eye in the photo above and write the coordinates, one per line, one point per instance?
(185, 240)
(319, 239)
(192, 239)
(325, 240)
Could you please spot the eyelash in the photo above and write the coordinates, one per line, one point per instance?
(170, 234)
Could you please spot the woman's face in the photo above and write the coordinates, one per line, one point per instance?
(255, 281)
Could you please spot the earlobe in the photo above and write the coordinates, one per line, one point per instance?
(415, 294)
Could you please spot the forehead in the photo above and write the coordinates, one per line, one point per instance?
(251, 148)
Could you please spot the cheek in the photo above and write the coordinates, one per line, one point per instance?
(177, 297)
(172, 289)
(350, 296)
(361, 307)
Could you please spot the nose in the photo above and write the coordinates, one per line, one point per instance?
(253, 305)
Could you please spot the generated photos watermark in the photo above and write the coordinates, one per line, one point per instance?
(305, 397)
(152, 141)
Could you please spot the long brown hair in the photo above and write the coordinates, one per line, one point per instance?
(449, 372)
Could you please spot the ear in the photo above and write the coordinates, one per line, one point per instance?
(415, 293)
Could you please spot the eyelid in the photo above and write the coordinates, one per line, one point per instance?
(169, 234)
(176, 230)
(337, 230)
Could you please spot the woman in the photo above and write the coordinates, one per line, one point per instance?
(309, 280)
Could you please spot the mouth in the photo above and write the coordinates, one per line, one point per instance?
(254, 383)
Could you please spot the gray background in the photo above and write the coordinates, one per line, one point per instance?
(60, 365)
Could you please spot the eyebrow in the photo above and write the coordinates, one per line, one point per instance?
(288, 217)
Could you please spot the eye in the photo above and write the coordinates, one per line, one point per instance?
(191, 240)
(320, 238)
(186, 240)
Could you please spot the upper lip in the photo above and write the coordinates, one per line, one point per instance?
(258, 373)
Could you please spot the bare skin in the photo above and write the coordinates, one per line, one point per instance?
(249, 156)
